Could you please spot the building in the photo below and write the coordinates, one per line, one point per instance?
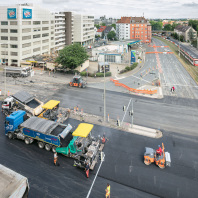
(188, 32)
(108, 29)
(137, 28)
(104, 20)
(26, 30)
(100, 30)
(60, 27)
(83, 29)
(69, 28)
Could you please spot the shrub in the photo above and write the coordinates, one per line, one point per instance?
(83, 73)
(99, 74)
(123, 71)
(127, 68)
(91, 74)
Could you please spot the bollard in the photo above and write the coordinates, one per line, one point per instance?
(0, 92)
(74, 110)
(81, 111)
(108, 118)
(8, 93)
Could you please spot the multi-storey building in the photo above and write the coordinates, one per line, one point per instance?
(134, 28)
(60, 26)
(69, 28)
(26, 30)
(84, 29)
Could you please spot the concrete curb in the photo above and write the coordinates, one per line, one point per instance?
(139, 130)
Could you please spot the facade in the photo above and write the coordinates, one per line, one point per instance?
(26, 30)
(107, 22)
(60, 31)
(188, 32)
(83, 29)
(69, 28)
(137, 28)
(101, 30)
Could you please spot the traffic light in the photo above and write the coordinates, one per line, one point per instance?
(124, 108)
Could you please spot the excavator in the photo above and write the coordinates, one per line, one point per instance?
(77, 81)
(151, 156)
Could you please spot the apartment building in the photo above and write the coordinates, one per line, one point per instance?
(137, 28)
(83, 29)
(69, 28)
(26, 30)
(59, 34)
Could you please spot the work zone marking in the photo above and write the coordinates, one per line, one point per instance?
(140, 78)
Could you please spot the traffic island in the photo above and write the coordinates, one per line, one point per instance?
(111, 123)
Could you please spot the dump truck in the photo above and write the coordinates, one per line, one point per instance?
(13, 184)
(22, 100)
(17, 71)
(83, 147)
(77, 81)
(47, 133)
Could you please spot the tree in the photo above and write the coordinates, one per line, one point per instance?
(97, 26)
(103, 35)
(156, 25)
(103, 24)
(114, 26)
(72, 56)
(111, 35)
(168, 27)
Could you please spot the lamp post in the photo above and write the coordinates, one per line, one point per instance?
(104, 96)
(179, 45)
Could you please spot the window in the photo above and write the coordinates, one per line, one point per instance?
(14, 38)
(4, 38)
(36, 22)
(26, 37)
(26, 52)
(45, 47)
(14, 53)
(13, 46)
(26, 45)
(4, 30)
(4, 46)
(26, 30)
(44, 35)
(36, 36)
(45, 28)
(14, 61)
(13, 31)
(52, 32)
(37, 43)
(45, 41)
(52, 22)
(26, 22)
(45, 22)
(36, 49)
(36, 29)
(13, 22)
(4, 53)
(4, 22)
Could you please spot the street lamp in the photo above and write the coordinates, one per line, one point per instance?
(104, 96)
(179, 45)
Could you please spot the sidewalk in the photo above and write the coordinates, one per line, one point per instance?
(139, 130)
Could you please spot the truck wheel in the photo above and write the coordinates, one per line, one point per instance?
(10, 136)
(47, 147)
(27, 140)
(41, 145)
(54, 149)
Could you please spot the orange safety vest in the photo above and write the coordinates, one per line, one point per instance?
(108, 191)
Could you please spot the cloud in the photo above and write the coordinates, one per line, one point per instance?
(193, 4)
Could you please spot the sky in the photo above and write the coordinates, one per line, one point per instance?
(116, 8)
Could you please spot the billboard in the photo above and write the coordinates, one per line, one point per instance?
(27, 13)
(11, 13)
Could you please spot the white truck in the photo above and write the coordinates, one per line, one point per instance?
(17, 71)
(22, 100)
(12, 184)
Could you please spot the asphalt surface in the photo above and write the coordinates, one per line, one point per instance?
(123, 167)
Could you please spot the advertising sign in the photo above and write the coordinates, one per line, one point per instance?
(11, 13)
(27, 13)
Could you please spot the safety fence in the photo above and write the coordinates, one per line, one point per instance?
(143, 91)
(159, 52)
(157, 46)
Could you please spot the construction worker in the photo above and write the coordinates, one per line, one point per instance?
(108, 191)
(103, 138)
(159, 150)
(55, 159)
(87, 169)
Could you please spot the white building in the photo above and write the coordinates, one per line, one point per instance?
(59, 31)
(26, 30)
(123, 31)
(83, 29)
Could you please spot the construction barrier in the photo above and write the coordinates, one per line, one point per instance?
(144, 91)
(157, 46)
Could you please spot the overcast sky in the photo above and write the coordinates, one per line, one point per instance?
(118, 8)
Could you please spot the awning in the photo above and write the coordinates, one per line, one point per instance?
(50, 104)
(83, 130)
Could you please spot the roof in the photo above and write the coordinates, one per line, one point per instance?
(108, 29)
(23, 96)
(50, 104)
(132, 20)
(101, 29)
(40, 125)
(182, 28)
(83, 130)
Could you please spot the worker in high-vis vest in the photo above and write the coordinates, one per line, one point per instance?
(108, 191)
(55, 159)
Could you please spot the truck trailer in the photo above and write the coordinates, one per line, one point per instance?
(17, 71)
(12, 184)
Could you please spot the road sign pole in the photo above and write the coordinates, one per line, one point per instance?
(131, 113)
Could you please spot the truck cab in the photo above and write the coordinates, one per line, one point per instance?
(7, 103)
(13, 121)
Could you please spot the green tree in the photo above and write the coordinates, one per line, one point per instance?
(111, 36)
(168, 27)
(156, 25)
(102, 35)
(114, 26)
(97, 26)
(72, 56)
(193, 24)
(103, 24)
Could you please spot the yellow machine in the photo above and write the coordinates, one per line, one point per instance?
(52, 111)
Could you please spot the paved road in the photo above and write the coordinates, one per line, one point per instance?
(123, 167)
(174, 74)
